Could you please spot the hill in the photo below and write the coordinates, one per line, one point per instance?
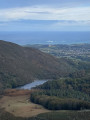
(77, 55)
(20, 65)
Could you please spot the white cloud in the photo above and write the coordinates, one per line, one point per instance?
(45, 13)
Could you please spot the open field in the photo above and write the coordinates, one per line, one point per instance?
(18, 103)
(65, 115)
(17, 106)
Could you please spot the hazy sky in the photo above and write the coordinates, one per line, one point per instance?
(44, 15)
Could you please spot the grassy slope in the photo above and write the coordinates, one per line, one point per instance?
(61, 115)
(12, 97)
(17, 102)
(66, 115)
(19, 98)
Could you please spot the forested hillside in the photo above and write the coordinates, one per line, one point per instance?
(67, 89)
(77, 55)
(20, 65)
(71, 94)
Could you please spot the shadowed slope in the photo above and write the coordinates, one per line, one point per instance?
(20, 65)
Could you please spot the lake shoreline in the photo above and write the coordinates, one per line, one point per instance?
(31, 85)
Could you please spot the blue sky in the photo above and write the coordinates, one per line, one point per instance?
(44, 15)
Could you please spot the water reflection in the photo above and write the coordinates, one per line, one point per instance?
(33, 84)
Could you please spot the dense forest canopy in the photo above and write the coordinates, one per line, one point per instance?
(71, 94)
(20, 65)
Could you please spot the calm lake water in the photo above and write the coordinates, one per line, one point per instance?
(33, 84)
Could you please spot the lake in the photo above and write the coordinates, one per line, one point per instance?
(33, 84)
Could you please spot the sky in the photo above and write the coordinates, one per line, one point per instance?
(44, 15)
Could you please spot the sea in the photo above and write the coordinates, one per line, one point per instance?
(43, 37)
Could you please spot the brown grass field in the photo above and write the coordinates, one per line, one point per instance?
(18, 103)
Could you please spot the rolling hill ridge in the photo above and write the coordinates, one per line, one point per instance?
(20, 65)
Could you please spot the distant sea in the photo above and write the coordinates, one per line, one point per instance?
(24, 38)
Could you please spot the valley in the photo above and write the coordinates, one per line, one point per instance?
(66, 94)
(21, 65)
(44, 59)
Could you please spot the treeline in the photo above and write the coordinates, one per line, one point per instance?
(68, 94)
(68, 88)
(55, 103)
(75, 84)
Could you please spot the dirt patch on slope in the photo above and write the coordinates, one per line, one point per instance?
(18, 103)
